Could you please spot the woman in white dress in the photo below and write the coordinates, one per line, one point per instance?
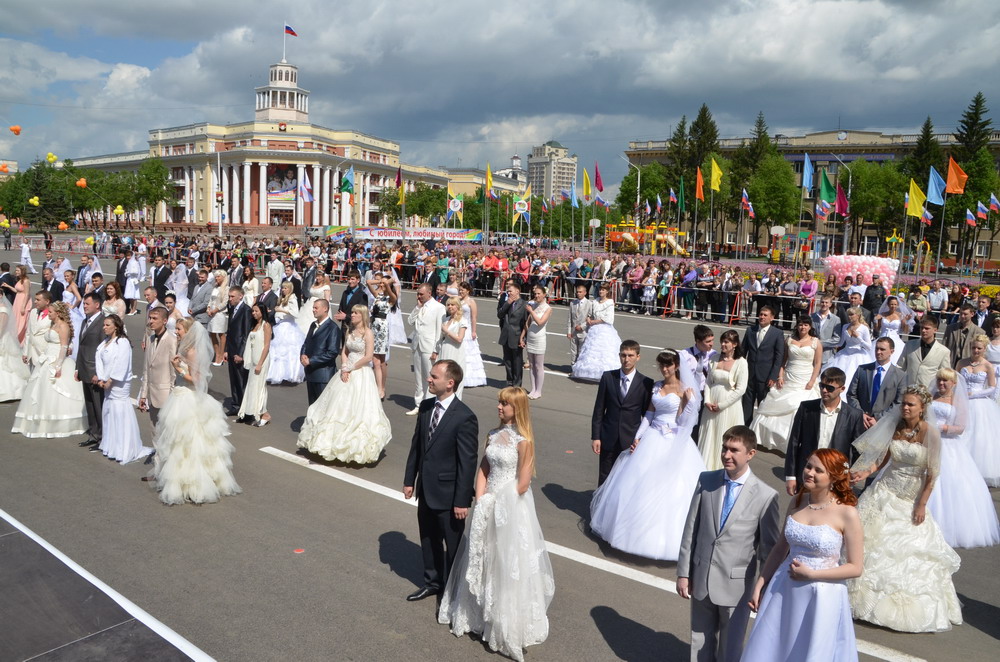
(113, 366)
(132, 277)
(257, 360)
(347, 422)
(961, 502)
(73, 300)
(980, 378)
(475, 370)
(993, 349)
(383, 300)
(177, 282)
(113, 304)
(599, 352)
(52, 402)
(141, 256)
(727, 382)
(534, 338)
(14, 371)
(454, 328)
(173, 312)
(286, 343)
(502, 583)
(856, 347)
(805, 614)
(797, 382)
(218, 322)
(640, 508)
(908, 565)
(251, 286)
(894, 320)
(319, 290)
(193, 460)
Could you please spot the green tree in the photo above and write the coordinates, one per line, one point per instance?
(774, 193)
(877, 198)
(974, 129)
(703, 137)
(926, 153)
(653, 182)
(983, 180)
(153, 185)
(678, 152)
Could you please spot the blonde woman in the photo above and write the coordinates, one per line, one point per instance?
(347, 423)
(503, 553)
(856, 347)
(218, 321)
(286, 364)
(450, 342)
(980, 381)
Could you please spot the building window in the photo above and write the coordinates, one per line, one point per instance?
(953, 247)
(730, 237)
(981, 249)
(749, 239)
(869, 245)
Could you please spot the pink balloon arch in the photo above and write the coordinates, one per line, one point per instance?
(866, 265)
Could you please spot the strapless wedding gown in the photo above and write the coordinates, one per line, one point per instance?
(984, 422)
(306, 317)
(890, 329)
(51, 406)
(804, 620)
(856, 351)
(773, 421)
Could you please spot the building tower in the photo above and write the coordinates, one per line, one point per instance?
(282, 100)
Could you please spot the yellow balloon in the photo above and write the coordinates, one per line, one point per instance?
(89, 241)
(119, 210)
(51, 158)
(33, 201)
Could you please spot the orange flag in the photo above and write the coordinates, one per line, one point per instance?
(956, 178)
(699, 188)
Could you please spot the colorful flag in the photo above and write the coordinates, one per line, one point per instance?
(598, 200)
(598, 184)
(826, 190)
(522, 206)
(648, 210)
(981, 210)
(699, 186)
(587, 192)
(489, 177)
(564, 194)
(746, 200)
(545, 206)
(820, 213)
(659, 205)
(456, 204)
(906, 200)
(673, 196)
(750, 210)
(825, 205)
(917, 200)
(935, 188)
(926, 218)
(347, 185)
(572, 195)
(807, 173)
(289, 30)
(305, 187)
(492, 195)
(400, 187)
(680, 197)
(994, 203)
(956, 177)
(970, 220)
(842, 206)
(716, 184)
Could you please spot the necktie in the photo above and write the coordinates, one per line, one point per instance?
(624, 386)
(435, 419)
(728, 502)
(876, 384)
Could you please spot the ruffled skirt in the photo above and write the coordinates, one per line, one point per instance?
(475, 369)
(51, 407)
(598, 354)
(14, 372)
(773, 421)
(285, 354)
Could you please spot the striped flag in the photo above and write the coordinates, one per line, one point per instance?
(981, 210)
(994, 203)
(673, 196)
(659, 205)
(970, 219)
(926, 217)
(289, 30)
(746, 200)
(305, 187)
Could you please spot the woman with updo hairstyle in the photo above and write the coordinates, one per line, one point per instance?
(533, 337)
(599, 352)
(906, 585)
(632, 510)
(856, 345)
(979, 378)
(725, 385)
(804, 612)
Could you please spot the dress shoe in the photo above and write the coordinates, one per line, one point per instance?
(95, 449)
(89, 442)
(425, 592)
(262, 422)
(413, 412)
(232, 412)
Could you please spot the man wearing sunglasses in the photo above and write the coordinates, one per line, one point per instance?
(825, 423)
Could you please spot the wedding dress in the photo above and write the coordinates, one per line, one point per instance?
(120, 439)
(804, 619)
(724, 388)
(891, 329)
(855, 351)
(347, 422)
(286, 346)
(305, 316)
(600, 349)
(51, 406)
(984, 422)
(501, 584)
(14, 372)
(475, 370)
(773, 421)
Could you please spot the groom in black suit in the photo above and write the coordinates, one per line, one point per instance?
(512, 313)
(441, 472)
(622, 399)
(240, 322)
(825, 423)
(764, 349)
(319, 351)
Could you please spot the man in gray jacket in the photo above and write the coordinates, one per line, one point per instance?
(198, 306)
(827, 324)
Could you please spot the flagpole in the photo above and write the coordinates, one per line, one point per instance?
(937, 262)
(711, 222)
(284, 38)
(798, 229)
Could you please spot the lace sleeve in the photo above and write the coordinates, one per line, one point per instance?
(932, 440)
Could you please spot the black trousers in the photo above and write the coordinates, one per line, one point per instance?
(238, 376)
(513, 363)
(609, 454)
(440, 535)
(756, 391)
(314, 390)
(93, 399)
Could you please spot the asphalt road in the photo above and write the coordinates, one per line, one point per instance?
(226, 576)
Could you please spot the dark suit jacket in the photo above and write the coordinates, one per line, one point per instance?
(442, 467)
(348, 300)
(322, 345)
(308, 279)
(8, 280)
(160, 281)
(512, 316)
(296, 285)
(764, 361)
(55, 287)
(192, 282)
(804, 437)
(120, 266)
(615, 421)
(889, 393)
(240, 323)
(270, 301)
(86, 356)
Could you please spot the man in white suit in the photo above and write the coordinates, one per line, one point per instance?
(157, 370)
(923, 357)
(426, 322)
(731, 527)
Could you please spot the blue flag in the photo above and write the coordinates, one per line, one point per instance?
(572, 193)
(935, 188)
(807, 173)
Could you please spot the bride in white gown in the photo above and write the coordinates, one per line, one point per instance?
(894, 320)
(797, 382)
(804, 614)
(475, 370)
(120, 440)
(193, 460)
(319, 290)
(286, 345)
(640, 507)
(980, 379)
(14, 371)
(501, 584)
(600, 349)
(347, 422)
(856, 347)
(908, 565)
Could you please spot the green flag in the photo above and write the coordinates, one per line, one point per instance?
(826, 191)
(680, 197)
(481, 198)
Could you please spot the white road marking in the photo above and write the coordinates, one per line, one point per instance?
(135, 610)
(589, 560)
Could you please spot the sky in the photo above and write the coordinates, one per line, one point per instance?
(459, 83)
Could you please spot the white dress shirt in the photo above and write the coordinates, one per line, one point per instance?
(827, 421)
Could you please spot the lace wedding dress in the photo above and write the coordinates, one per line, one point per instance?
(804, 620)
(501, 584)
(50, 406)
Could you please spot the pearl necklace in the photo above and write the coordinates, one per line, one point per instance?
(825, 505)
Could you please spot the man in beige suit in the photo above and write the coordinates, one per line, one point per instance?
(157, 370)
(922, 358)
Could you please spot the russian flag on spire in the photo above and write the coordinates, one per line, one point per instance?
(289, 30)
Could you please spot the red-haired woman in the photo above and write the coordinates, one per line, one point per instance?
(804, 613)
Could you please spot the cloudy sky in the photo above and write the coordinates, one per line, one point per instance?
(465, 82)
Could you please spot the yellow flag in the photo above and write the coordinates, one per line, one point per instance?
(716, 183)
(915, 207)
(586, 185)
(489, 179)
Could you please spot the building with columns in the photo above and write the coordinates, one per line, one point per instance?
(277, 170)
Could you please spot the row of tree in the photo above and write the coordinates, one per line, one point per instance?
(66, 193)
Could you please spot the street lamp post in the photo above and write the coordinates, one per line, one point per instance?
(850, 180)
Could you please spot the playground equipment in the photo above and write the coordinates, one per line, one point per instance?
(895, 243)
(628, 237)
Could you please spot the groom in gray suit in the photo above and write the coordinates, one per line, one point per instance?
(827, 324)
(731, 527)
(877, 387)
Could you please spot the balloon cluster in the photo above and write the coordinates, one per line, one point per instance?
(865, 265)
(118, 211)
(63, 226)
(89, 241)
(33, 201)
(4, 167)
(15, 129)
(82, 182)
(51, 158)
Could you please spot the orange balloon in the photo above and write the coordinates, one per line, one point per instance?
(63, 226)
(82, 182)
(16, 129)
(4, 167)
